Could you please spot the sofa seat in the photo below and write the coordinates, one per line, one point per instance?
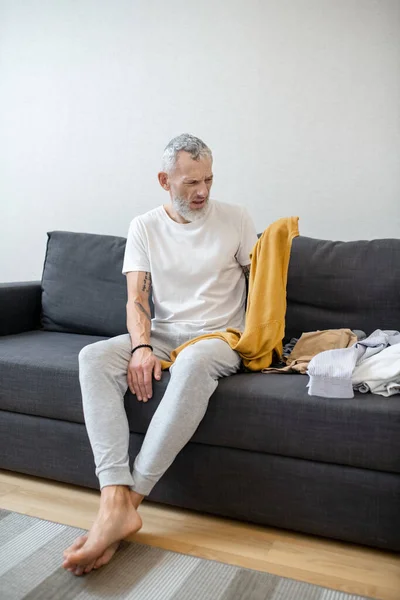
(38, 374)
(265, 413)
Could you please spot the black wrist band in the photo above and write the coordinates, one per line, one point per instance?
(142, 346)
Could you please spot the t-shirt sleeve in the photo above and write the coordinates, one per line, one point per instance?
(248, 239)
(136, 257)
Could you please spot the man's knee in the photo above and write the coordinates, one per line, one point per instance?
(195, 351)
(209, 357)
(206, 357)
(93, 354)
(192, 359)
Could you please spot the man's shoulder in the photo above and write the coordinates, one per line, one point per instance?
(229, 211)
(147, 217)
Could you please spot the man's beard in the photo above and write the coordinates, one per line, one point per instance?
(183, 209)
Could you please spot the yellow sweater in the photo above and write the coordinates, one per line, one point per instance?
(266, 302)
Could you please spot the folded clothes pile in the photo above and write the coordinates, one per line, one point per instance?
(298, 353)
(340, 361)
(379, 374)
(371, 364)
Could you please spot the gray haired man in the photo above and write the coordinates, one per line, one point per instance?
(192, 255)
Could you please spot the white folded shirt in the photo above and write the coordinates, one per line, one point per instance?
(380, 373)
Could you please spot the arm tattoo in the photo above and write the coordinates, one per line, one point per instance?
(246, 271)
(143, 310)
(147, 282)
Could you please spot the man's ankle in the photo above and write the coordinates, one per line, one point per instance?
(136, 499)
(115, 492)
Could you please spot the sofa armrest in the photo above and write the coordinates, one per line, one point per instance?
(20, 305)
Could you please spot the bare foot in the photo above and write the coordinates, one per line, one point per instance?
(117, 518)
(95, 564)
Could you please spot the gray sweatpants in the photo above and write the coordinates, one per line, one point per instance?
(103, 377)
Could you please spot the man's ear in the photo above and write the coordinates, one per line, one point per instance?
(164, 181)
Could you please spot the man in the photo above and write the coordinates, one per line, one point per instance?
(193, 256)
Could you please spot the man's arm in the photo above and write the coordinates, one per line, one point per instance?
(138, 317)
(143, 362)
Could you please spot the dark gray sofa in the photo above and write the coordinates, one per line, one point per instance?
(266, 452)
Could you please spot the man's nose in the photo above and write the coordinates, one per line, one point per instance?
(202, 191)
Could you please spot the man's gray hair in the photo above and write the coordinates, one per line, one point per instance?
(189, 143)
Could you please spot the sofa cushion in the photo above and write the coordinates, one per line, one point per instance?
(39, 374)
(83, 289)
(266, 413)
(343, 284)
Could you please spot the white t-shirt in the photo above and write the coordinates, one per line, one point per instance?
(198, 285)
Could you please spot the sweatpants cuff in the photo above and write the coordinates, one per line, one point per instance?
(115, 476)
(141, 484)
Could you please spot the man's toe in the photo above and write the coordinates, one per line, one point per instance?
(69, 562)
(99, 562)
(85, 555)
(78, 543)
(104, 558)
(89, 567)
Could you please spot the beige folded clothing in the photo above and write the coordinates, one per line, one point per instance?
(312, 343)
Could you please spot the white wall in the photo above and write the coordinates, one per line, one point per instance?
(299, 100)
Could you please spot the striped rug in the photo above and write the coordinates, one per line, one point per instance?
(31, 555)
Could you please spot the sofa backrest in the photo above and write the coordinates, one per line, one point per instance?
(83, 289)
(330, 285)
(343, 284)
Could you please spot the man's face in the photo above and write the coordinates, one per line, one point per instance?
(189, 186)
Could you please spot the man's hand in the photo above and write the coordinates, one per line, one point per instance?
(140, 373)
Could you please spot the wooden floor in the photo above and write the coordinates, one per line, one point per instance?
(336, 565)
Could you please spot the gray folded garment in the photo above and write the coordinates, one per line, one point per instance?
(331, 371)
